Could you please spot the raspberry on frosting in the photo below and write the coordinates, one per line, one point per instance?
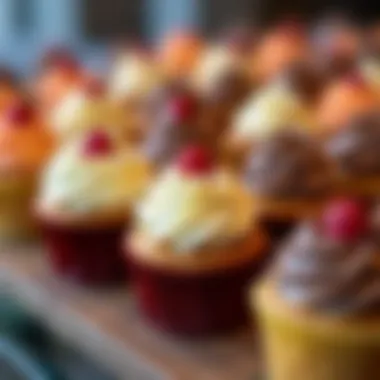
(98, 143)
(195, 160)
(19, 113)
(345, 220)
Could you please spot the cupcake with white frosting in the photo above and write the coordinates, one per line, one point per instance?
(87, 107)
(193, 247)
(87, 193)
(266, 113)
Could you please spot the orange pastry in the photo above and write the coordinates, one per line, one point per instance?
(279, 48)
(344, 100)
(179, 52)
(24, 146)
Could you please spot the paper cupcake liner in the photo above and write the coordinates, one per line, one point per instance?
(90, 256)
(193, 304)
(16, 220)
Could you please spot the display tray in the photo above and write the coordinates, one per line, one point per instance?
(106, 326)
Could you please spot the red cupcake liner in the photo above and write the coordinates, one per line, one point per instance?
(88, 256)
(193, 304)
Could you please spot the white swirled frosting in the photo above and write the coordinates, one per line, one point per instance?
(133, 77)
(78, 112)
(269, 110)
(190, 212)
(215, 62)
(77, 183)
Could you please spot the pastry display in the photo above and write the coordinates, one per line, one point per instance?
(194, 247)
(86, 198)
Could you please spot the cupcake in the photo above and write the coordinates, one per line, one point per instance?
(176, 125)
(59, 73)
(335, 44)
(284, 103)
(178, 53)
(279, 48)
(85, 107)
(133, 76)
(85, 199)
(355, 151)
(319, 305)
(290, 177)
(222, 80)
(9, 88)
(25, 145)
(345, 99)
(193, 248)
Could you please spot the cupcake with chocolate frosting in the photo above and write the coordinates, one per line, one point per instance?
(355, 150)
(290, 176)
(86, 196)
(319, 306)
(193, 247)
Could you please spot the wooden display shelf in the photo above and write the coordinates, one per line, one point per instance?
(107, 328)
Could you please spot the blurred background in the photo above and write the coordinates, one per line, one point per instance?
(29, 26)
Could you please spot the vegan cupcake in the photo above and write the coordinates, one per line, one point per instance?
(290, 177)
(86, 197)
(87, 107)
(25, 145)
(194, 247)
(319, 305)
(355, 151)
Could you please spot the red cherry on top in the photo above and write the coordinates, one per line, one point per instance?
(195, 160)
(61, 58)
(97, 143)
(182, 108)
(19, 114)
(344, 220)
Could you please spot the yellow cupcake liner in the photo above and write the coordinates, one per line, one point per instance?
(300, 346)
(16, 194)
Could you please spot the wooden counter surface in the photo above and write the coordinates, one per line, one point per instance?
(106, 326)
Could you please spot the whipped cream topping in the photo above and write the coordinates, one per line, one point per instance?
(133, 77)
(268, 111)
(79, 183)
(215, 63)
(78, 112)
(190, 212)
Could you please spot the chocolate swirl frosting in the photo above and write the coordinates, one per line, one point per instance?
(319, 273)
(288, 164)
(356, 147)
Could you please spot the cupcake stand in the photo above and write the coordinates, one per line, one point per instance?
(105, 326)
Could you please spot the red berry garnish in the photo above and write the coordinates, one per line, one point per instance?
(19, 113)
(93, 87)
(345, 220)
(195, 160)
(97, 143)
(182, 108)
